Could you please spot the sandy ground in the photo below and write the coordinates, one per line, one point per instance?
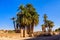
(7, 38)
(12, 36)
(57, 37)
(4, 36)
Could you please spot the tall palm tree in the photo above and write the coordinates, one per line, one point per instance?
(50, 25)
(45, 25)
(13, 22)
(45, 20)
(35, 20)
(34, 16)
(27, 17)
(43, 28)
(23, 17)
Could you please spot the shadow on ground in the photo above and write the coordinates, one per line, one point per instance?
(56, 37)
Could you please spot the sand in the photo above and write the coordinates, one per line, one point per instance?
(57, 37)
(30, 38)
(12, 36)
(7, 38)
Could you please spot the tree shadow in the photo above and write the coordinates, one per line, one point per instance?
(56, 37)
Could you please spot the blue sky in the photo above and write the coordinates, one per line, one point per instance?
(8, 9)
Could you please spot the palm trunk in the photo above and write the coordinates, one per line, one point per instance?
(20, 27)
(21, 30)
(14, 25)
(17, 28)
(28, 29)
(49, 31)
(31, 30)
(32, 27)
(24, 32)
(43, 29)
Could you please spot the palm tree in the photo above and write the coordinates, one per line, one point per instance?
(50, 25)
(34, 16)
(13, 22)
(34, 21)
(27, 17)
(45, 25)
(23, 17)
(57, 29)
(43, 28)
(45, 20)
